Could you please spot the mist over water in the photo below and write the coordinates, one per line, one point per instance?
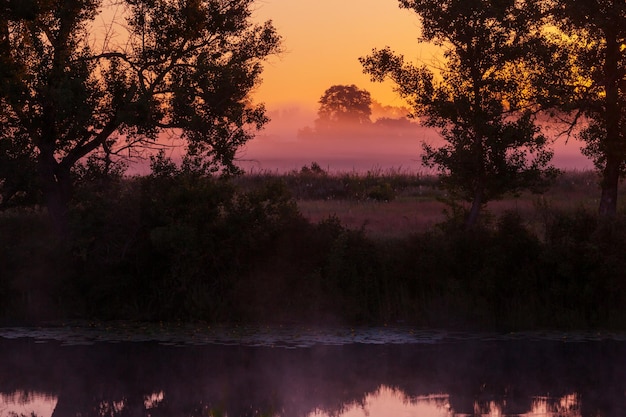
(307, 372)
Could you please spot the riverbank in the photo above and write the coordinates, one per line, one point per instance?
(285, 249)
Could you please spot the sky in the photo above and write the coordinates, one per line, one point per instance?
(322, 41)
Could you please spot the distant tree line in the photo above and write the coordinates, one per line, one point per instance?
(348, 111)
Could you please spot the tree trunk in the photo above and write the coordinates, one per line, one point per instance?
(614, 149)
(609, 185)
(477, 204)
(56, 187)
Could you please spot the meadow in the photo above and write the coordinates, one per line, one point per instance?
(397, 203)
(310, 247)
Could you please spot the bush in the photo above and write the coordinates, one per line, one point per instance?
(313, 183)
(382, 192)
(171, 245)
(34, 265)
(181, 244)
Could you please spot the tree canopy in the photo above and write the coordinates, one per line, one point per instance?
(186, 67)
(480, 99)
(345, 105)
(592, 84)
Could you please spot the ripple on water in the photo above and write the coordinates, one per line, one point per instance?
(291, 337)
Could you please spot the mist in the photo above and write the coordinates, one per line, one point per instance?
(289, 142)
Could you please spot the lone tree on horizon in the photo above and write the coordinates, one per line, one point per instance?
(343, 105)
(184, 66)
(480, 99)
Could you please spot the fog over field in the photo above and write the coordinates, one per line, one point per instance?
(284, 145)
(281, 146)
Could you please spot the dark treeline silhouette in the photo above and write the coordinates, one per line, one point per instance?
(503, 64)
(250, 381)
(189, 68)
(69, 91)
(184, 242)
(176, 245)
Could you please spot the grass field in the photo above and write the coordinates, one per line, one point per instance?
(415, 202)
(394, 218)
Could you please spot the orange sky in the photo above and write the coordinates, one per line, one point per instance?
(323, 40)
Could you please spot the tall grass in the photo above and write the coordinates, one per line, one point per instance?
(313, 183)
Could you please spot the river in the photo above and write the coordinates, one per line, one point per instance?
(120, 369)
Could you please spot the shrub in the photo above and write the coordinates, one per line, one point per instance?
(181, 244)
(34, 265)
(382, 192)
(173, 244)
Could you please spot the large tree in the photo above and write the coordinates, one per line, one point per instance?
(592, 84)
(69, 88)
(480, 98)
(343, 105)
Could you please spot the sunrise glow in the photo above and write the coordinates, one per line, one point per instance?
(323, 41)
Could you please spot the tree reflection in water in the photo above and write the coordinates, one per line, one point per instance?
(392, 402)
(384, 402)
(468, 378)
(21, 403)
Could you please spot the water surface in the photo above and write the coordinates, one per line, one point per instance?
(135, 370)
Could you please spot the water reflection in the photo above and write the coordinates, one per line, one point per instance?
(388, 401)
(21, 403)
(392, 402)
(464, 378)
(385, 401)
(566, 406)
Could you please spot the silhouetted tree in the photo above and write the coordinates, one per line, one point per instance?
(343, 105)
(187, 66)
(479, 99)
(592, 83)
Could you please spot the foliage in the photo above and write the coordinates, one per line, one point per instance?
(342, 106)
(591, 85)
(181, 245)
(173, 244)
(19, 183)
(479, 100)
(35, 267)
(188, 68)
(382, 192)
